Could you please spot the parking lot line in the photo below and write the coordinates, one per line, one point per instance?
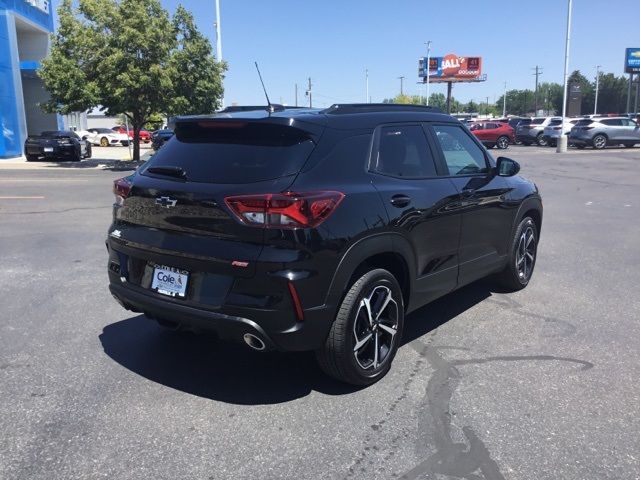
(22, 197)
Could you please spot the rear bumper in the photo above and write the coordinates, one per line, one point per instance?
(220, 301)
(230, 323)
(580, 141)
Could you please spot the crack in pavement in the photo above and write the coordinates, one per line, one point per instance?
(470, 461)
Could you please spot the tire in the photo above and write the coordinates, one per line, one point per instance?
(599, 141)
(31, 158)
(541, 141)
(89, 152)
(77, 157)
(502, 143)
(517, 273)
(104, 142)
(340, 357)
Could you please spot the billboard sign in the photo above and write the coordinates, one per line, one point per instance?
(450, 68)
(632, 60)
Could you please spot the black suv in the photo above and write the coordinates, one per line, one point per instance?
(317, 229)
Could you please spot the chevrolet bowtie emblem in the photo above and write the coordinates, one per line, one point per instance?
(166, 202)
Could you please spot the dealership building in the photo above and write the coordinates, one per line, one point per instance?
(25, 26)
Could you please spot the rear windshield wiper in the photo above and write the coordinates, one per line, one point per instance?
(169, 170)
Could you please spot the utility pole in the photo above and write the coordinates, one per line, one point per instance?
(296, 94)
(537, 74)
(308, 93)
(504, 101)
(401, 85)
(366, 74)
(562, 140)
(595, 105)
(428, 44)
(219, 41)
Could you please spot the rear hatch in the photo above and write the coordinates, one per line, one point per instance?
(176, 203)
(581, 126)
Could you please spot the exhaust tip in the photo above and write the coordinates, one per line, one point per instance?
(253, 341)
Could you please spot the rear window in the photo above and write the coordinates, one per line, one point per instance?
(553, 123)
(537, 121)
(234, 152)
(584, 123)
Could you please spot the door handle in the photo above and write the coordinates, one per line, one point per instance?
(400, 201)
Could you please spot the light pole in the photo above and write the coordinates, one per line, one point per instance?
(562, 140)
(219, 42)
(366, 74)
(504, 101)
(428, 44)
(595, 106)
(401, 85)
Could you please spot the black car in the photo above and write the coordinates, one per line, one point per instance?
(56, 145)
(160, 137)
(317, 229)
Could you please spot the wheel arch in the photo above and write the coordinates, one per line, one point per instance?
(391, 252)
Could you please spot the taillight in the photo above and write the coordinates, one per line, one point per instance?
(284, 210)
(121, 189)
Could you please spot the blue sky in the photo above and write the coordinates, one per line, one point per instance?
(334, 41)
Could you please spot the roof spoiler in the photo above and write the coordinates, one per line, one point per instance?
(338, 108)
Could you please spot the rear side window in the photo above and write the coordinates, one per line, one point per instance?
(403, 152)
(614, 122)
(462, 155)
(234, 152)
(584, 123)
(537, 121)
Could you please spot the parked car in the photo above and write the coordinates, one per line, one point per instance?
(239, 225)
(145, 136)
(493, 134)
(600, 132)
(533, 131)
(105, 137)
(551, 132)
(56, 145)
(159, 137)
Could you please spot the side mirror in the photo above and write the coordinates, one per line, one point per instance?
(505, 167)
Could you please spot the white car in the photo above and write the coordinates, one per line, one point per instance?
(105, 137)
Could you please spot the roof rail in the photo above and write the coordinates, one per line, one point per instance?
(338, 108)
(250, 108)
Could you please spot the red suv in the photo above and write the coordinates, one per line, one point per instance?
(145, 136)
(493, 134)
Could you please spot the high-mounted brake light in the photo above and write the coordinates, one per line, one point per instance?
(284, 210)
(121, 189)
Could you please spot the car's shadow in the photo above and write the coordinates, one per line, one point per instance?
(202, 366)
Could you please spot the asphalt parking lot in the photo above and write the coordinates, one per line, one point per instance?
(540, 384)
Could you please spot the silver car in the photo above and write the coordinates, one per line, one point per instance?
(551, 132)
(600, 132)
(533, 132)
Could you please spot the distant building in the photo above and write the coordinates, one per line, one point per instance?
(25, 26)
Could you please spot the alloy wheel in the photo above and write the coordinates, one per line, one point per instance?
(542, 141)
(503, 143)
(375, 328)
(526, 254)
(599, 141)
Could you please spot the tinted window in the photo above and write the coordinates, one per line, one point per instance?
(490, 126)
(584, 123)
(102, 130)
(234, 152)
(537, 121)
(614, 122)
(403, 152)
(462, 155)
(553, 123)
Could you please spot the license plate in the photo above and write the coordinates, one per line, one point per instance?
(48, 149)
(170, 281)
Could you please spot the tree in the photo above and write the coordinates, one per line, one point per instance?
(128, 57)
